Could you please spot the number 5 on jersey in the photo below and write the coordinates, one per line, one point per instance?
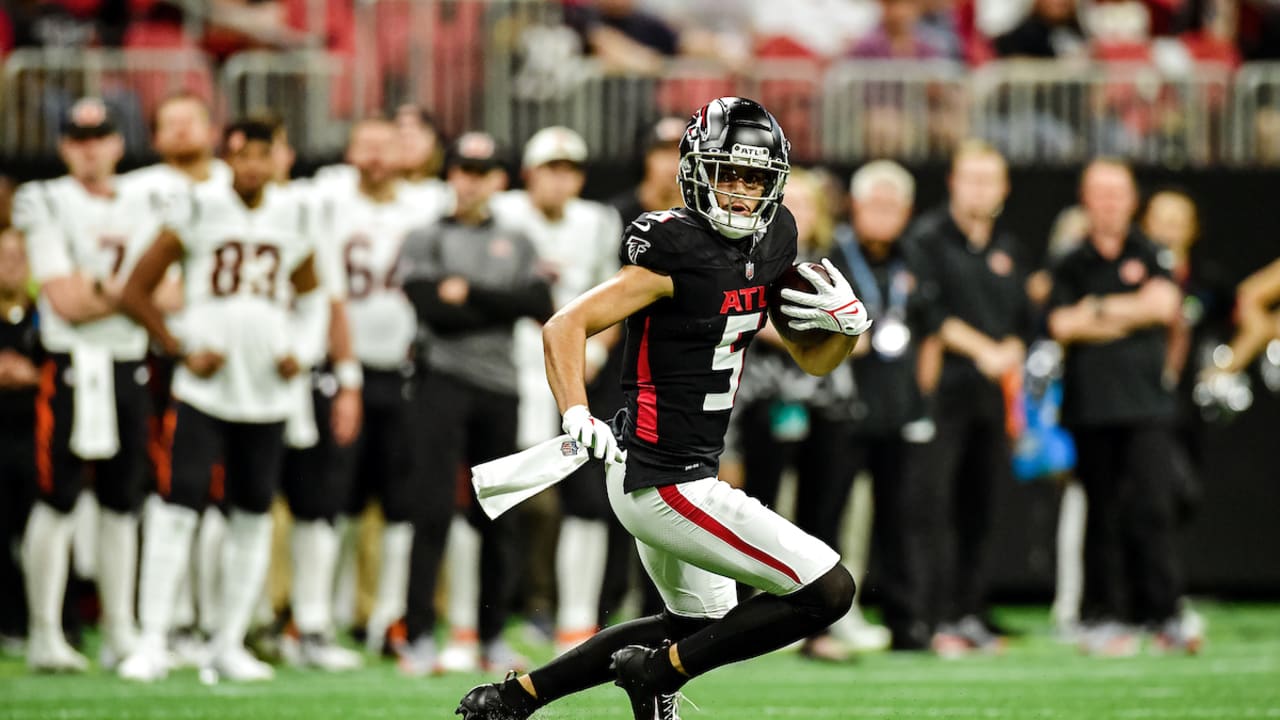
(730, 355)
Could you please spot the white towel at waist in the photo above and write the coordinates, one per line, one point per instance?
(508, 481)
(94, 433)
(300, 431)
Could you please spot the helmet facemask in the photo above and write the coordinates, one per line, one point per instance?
(703, 171)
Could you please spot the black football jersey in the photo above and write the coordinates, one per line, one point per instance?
(684, 354)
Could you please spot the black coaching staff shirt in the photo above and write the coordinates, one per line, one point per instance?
(1117, 382)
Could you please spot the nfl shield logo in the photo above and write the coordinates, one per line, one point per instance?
(751, 270)
(569, 448)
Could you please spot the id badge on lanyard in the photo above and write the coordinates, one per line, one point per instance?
(890, 335)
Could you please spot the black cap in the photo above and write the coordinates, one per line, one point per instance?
(476, 151)
(88, 118)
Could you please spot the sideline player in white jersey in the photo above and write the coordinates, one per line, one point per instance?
(326, 415)
(184, 137)
(247, 256)
(421, 159)
(84, 236)
(577, 243)
(367, 227)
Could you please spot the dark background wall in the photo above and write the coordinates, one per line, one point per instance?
(1232, 541)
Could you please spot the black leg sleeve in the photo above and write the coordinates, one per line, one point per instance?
(587, 665)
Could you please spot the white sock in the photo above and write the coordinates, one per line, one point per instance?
(1070, 581)
(117, 566)
(46, 558)
(344, 590)
(84, 536)
(463, 558)
(580, 560)
(393, 581)
(246, 552)
(315, 553)
(167, 532)
(208, 569)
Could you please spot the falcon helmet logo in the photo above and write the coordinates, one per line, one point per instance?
(636, 247)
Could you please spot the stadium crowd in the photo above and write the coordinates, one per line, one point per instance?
(238, 408)
(634, 34)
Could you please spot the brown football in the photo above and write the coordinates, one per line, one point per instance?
(791, 278)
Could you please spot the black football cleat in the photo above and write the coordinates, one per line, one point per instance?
(485, 702)
(631, 665)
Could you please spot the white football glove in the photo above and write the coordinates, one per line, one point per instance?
(591, 433)
(833, 307)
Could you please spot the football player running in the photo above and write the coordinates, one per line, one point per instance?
(692, 292)
(246, 258)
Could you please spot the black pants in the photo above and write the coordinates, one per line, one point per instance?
(1131, 475)
(959, 472)
(324, 480)
(118, 481)
(462, 425)
(896, 573)
(17, 490)
(824, 463)
(251, 453)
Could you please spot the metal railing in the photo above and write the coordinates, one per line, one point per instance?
(1058, 112)
(885, 108)
(490, 76)
(1255, 116)
(309, 90)
(39, 85)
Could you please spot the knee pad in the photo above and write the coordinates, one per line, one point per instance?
(678, 627)
(829, 597)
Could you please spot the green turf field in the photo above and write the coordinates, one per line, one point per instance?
(1238, 676)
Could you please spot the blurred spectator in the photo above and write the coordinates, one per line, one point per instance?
(19, 353)
(705, 29)
(892, 374)
(421, 145)
(1257, 318)
(1113, 301)
(235, 25)
(971, 266)
(66, 23)
(819, 28)
(940, 25)
(1052, 30)
(622, 37)
(628, 40)
(658, 189)
(899, 36)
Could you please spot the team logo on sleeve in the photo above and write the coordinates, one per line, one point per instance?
(636, 247)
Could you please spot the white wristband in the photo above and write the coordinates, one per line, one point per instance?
(349, 374)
